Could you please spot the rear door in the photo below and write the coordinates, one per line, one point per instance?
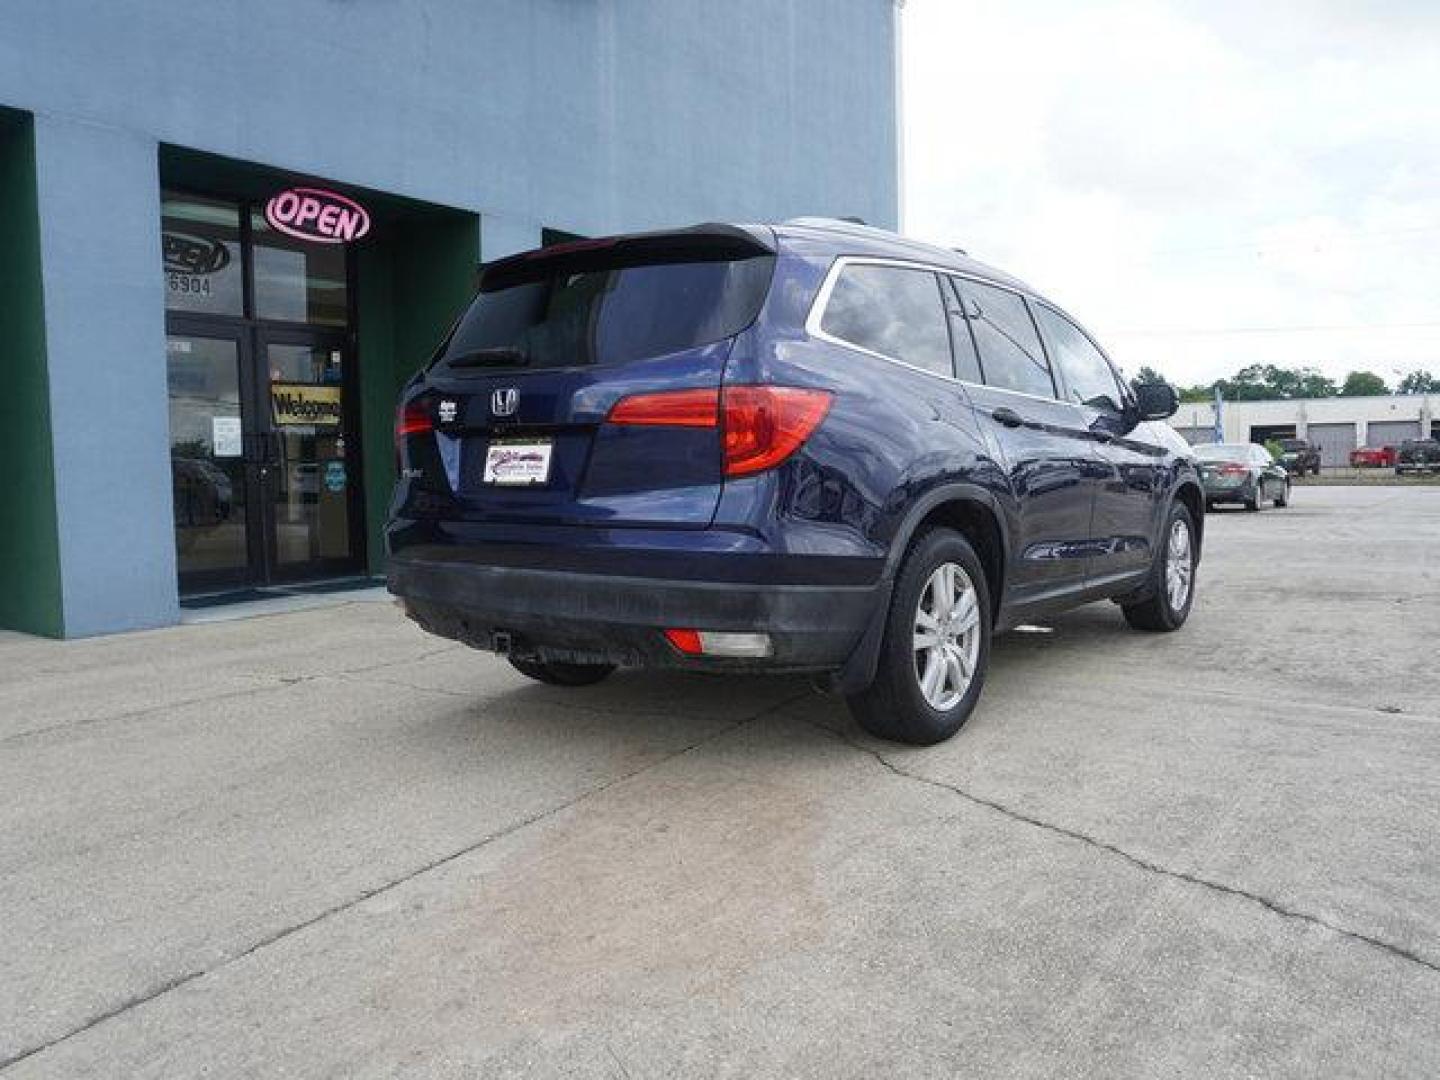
(1050, 455)
(521, 392)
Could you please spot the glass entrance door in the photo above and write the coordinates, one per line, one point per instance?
(210, 463)
(311, 494)
(261, 457)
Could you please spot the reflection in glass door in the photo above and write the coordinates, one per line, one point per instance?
(207, 459)
(310, 495)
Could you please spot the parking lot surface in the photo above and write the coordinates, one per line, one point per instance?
(325, 844)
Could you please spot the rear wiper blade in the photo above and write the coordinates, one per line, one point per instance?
(506, 355)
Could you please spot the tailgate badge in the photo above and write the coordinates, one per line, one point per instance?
(447, 411)
(505, 402)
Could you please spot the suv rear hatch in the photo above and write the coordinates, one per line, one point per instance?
(509, 424)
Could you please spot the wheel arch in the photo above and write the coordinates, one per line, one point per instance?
(971, 511)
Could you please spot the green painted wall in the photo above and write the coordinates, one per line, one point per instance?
(412, 283)
(30, 598)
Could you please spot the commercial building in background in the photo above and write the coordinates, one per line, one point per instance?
(229, 233)
(1336, 425)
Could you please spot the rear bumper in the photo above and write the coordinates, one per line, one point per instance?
(563, 614)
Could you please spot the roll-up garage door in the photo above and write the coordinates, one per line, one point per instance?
(1334, 441)
(1391, 432)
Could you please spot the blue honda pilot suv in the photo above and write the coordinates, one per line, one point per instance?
(810, 447)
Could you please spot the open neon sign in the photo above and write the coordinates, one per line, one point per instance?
(325, 217)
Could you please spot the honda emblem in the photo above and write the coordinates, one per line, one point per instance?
(505, 402)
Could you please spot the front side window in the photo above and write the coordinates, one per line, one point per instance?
(1010, 351)
(1088, 376)
(891, 310)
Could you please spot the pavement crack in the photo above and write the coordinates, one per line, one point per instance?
(184, 979)
(1138, 861)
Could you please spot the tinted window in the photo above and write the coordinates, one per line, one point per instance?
(893, 311)
(1010, 352)
(604, 315)
(1222, 452)
(1088, 377)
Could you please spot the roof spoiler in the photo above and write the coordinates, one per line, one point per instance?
(698, 243)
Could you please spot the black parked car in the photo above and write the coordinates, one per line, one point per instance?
(1242, 473)
(1298, 457)
(1417, 456)
(811, 447)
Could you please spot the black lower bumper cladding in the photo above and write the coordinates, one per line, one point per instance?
(594, 618)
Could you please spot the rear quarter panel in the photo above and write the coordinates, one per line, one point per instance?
(892, 435)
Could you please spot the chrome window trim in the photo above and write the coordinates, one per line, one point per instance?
(822, 300)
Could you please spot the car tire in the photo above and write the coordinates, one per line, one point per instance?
(1166, 608)
(900, 704)
(1253, 502)
(558, 674)
(1284, 499)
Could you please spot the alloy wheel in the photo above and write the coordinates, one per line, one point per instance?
(946, 636)
(1179, 565)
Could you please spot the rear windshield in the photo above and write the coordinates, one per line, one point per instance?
(1223, 452)
(569, 315)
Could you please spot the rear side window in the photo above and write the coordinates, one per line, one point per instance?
(891, 310)
(1088, 376)
(607, 315)
(1010, 351)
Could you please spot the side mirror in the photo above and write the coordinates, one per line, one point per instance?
(1155, 400)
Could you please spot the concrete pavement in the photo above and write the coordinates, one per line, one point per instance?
(324, 844)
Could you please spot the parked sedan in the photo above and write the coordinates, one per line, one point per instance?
(1242, 473)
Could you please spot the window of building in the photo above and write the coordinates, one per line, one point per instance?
(1010, 351)
(1089, 379)
(200, 245)
(893, 311)
(297, 280)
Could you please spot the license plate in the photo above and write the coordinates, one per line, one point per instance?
(517, 462)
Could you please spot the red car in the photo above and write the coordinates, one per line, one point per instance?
(1373, 457)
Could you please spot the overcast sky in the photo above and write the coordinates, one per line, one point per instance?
(1204, 185)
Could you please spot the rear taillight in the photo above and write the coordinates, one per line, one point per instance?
(412, 419)
(669, 408)
(1233, 470)
(764, 425)
(761, 425)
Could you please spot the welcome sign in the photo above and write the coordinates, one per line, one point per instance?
(294, 404)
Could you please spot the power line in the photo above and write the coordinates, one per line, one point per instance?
(1317, 328)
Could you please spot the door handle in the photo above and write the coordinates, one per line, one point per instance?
(1008, 417)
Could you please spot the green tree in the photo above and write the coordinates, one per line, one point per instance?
(1261, 381)
(1419, 382)
(1148, 375)
(1363, 384)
